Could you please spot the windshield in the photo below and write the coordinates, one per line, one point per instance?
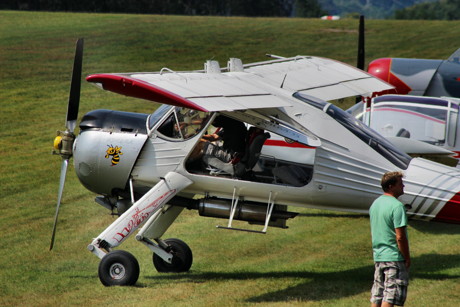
(177, 123)
(158, 114)
(357, 110)
(367, 135)
(430, 120)
(427, 119)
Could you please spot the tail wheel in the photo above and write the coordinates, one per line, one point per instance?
(182, 258)
(118, 268)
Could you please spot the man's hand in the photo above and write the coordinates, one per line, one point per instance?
(403, 244)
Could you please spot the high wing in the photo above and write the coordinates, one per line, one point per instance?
(239, 87)
(322, 78)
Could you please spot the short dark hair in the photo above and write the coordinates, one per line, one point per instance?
(390, 178)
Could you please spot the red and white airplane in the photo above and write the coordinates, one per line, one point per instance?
(420, 114)
(311, 153)
(420, 77)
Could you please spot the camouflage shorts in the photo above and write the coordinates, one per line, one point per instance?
(390, 283)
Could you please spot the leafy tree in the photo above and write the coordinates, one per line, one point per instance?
(283, 8)
(444, 9)
(369, 8)
(308, 8)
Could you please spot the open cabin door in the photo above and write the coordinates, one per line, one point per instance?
(285, 156)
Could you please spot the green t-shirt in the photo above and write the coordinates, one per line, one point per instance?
(386, 214)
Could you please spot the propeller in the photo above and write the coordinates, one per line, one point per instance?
(361, 50)
(63, 143)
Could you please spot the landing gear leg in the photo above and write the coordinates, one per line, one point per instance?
(182, 257)
(120, 267)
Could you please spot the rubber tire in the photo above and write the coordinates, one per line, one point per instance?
(182, 258)
(118, 268)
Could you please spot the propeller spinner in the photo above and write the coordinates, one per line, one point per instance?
(63, 143)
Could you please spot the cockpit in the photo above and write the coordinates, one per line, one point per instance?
(428, 119)
(266, 157)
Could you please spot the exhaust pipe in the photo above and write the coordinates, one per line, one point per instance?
(252, 212)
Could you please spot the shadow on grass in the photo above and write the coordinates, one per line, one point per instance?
(320, 286)
(435, 227)
(423, 226)
(334, 214)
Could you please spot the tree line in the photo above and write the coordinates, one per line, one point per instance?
(440, 10)
(274, 8)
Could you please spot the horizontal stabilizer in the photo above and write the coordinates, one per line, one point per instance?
(421, 149)
(411, 146)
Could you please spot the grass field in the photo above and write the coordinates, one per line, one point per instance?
(324, 259)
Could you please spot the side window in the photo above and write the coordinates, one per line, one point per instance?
(183, 123)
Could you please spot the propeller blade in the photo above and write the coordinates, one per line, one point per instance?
(75, 85)
(361, 49)
(65, 163)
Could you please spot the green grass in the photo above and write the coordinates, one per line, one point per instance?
(324, 259)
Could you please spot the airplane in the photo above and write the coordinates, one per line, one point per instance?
(418, 125)
(419, 77)
(308, 153)
(412, 76)
(416, 115)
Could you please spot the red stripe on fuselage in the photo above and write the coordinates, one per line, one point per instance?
(409, 112)
(450, 213)
(281, 143)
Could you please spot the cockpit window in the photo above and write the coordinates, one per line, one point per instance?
(183, 123)
(366, 134)
(427, 119)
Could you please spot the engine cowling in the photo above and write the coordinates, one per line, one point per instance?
(107, 148)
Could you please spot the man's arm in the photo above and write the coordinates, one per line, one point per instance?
(211, 137)
(403, 244)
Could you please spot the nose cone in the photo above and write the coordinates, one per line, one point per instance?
(381, 68)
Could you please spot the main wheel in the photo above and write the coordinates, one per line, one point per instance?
(118, 268)
(181, 261)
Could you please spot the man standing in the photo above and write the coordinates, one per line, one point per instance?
(390, 244)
